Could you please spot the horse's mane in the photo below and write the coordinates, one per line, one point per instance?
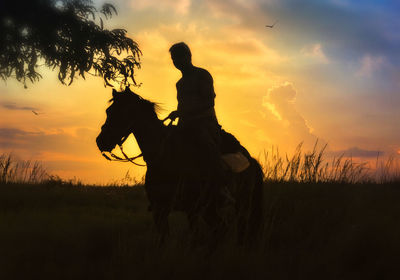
(155, 107)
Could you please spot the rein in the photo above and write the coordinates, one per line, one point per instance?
(114, 157)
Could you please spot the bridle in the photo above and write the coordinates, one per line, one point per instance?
(126, 158)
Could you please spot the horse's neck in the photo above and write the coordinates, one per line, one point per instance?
(148, 135)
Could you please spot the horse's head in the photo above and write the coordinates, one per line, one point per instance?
(125, 112)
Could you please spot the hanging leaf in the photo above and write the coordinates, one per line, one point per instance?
(66, 37)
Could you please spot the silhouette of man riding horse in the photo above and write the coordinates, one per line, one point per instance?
(196, 166)
(198, 124)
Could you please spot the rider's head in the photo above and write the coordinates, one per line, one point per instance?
(181, 55)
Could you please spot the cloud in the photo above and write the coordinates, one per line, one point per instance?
(7, 135)
(240, 47)
(344, 28)
(280, 101)
(280, 123)
(357, 152)
(178, 6)
(14, 106)
(281, 94)
(235, 60)
(341, 3)
(370, 65)
(34, 142)
(224, 9)
(315, 52)
(327, 44)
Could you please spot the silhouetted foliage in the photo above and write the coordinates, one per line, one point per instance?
(64, 34)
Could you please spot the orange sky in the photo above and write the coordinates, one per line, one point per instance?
(300, 81)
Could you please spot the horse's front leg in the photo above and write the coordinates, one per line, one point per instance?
(158, 195)
(160, 216)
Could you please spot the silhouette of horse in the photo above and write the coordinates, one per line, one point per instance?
(171, 185)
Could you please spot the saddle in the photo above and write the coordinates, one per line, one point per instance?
(233, 155)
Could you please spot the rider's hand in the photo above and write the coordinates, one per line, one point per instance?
(172, 116)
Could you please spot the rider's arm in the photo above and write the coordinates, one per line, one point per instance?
(198, 98)
(206, 92)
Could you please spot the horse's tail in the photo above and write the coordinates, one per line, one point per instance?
(250, 202)
(256, 217)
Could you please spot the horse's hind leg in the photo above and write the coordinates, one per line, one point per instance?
(257, 202)
(250, 220)
(205, 222)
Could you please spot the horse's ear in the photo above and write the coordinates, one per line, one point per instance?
(127, 90)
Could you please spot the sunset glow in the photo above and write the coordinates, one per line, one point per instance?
(326, 71)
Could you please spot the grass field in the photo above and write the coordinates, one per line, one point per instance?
(57, 230)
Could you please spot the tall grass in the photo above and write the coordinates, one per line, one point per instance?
(21, 171)
(311, 231)
(387, 171)
(302, 167)
(314, 167)
(127, 180)
(317, 225)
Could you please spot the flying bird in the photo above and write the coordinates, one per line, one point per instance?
(36, 113)
(271, 26)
